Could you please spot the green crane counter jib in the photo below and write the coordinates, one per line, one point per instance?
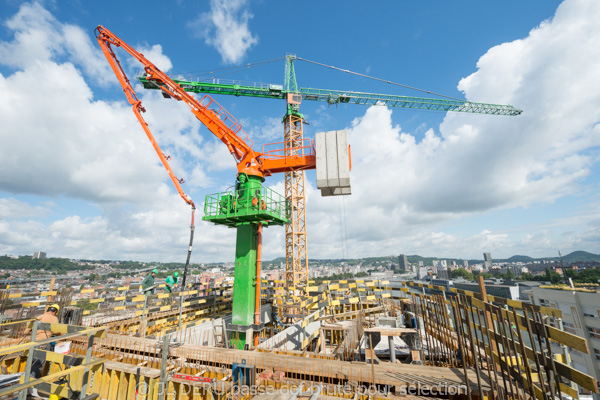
(244, 209)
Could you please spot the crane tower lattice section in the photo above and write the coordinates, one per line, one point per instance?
(296, 253)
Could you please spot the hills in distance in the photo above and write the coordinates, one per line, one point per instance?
(575, 256)
(571, 257)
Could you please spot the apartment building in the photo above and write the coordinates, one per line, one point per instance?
(580, 316)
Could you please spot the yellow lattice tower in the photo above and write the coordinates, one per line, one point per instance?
(296, 258)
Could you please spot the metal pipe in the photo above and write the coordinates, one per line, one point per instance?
(86, 372)
(507, 367)
(460, 336)
(535, 353)
(181, 305)
(491, 367)
(163, 367)
(258, 280)
(392, 349)
(554, 378)
(475, 350)
(496, 338)
(23, 393)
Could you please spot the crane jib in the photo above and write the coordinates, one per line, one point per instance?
(270, 91)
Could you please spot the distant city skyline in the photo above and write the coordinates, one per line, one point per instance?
(398, 259)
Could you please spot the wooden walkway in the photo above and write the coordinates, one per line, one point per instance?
(303, 367)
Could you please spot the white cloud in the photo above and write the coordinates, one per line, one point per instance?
(13, 209)
(11, 240)
(155, 55)
(59, 140)
(402, 187)
(225, 27)
(161, 233)
(267, 131)
(39, 37)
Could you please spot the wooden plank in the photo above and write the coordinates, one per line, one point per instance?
(566, 338)
(153, 389)
(49, 378)
(96, 377)
(569, 339)
(131, 369)
(564, 370)
(113, 385)
(569, 390)
(388, 374)
(387, 331)
(123, 385)
(106, 378)
(30, 304)
(58, 358)
(51, 388)
(576, 376)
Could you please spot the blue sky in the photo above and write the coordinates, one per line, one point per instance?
(78, 178)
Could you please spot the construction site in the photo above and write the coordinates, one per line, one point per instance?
(279, 339)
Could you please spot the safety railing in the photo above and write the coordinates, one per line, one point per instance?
(227, 119)
(53, 372)
(281, 150)
(243, 206)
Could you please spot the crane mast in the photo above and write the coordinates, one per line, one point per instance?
(296, 249)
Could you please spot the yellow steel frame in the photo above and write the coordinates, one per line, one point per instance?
(296, 257)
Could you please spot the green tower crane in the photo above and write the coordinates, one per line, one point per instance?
(296, 237)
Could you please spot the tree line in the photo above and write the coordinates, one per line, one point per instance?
(57, 265)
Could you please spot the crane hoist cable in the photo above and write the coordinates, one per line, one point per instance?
(378, 79)
(227, 70)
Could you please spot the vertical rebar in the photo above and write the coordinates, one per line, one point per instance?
(23, 393)
(460, 336)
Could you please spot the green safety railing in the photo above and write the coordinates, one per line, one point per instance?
(247, 206)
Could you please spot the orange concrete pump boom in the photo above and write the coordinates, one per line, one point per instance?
(209, 112)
